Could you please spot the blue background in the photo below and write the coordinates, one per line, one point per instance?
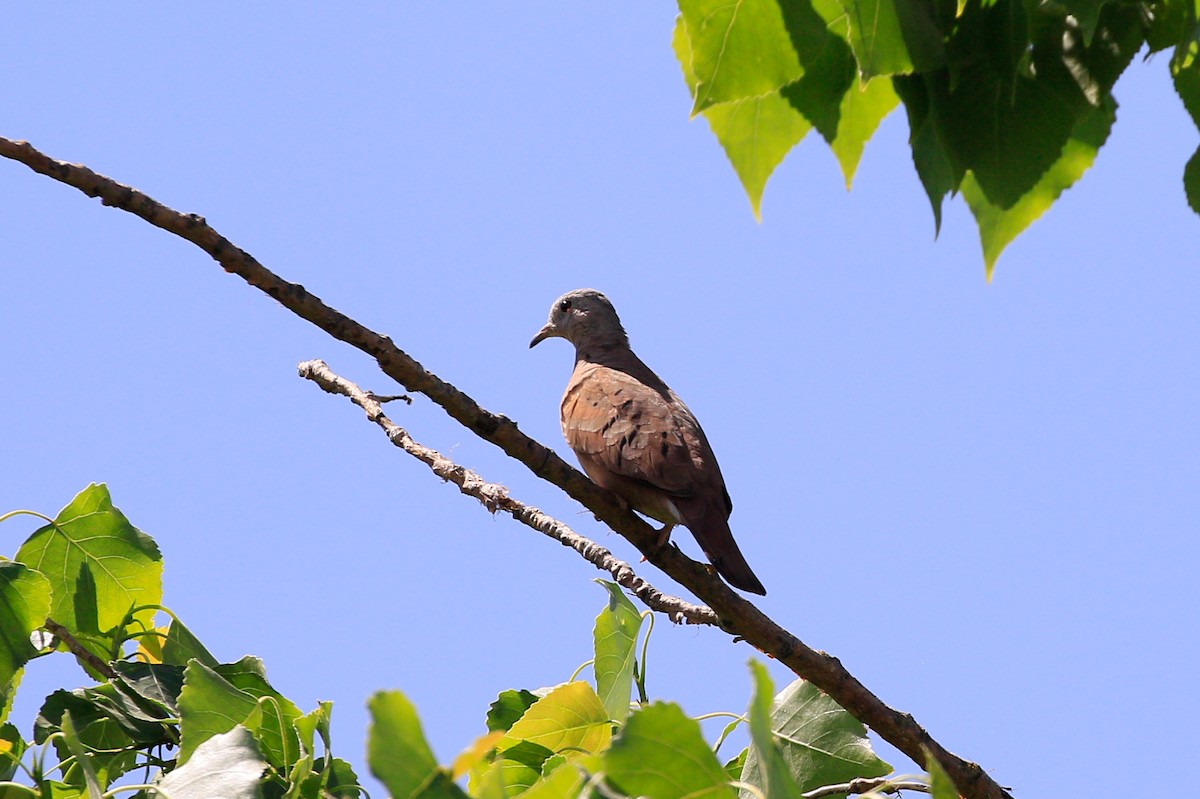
(981, 497)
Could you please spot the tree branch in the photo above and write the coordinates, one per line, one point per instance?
(865, 784)
(496, 497)
(79, 650)
(736, 615)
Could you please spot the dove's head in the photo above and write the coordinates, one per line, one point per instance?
(584, 317)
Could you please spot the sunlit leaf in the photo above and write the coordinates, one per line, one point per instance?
(475, 757)
(561, 783)
(226, 765)
(181, 646)
(765, 766)
(399, 755)
(863, 108)
(616, 636)
(738, 49)
(209, 705)
(92, 546)
(24, 606)
(569, 718)
(661, 753)
(12, 748)
(755, 132)
(814, 740)
(893, 36)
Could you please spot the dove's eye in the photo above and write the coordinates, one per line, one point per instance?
(564, 306)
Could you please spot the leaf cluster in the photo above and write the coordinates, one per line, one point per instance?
(164, 717)
(1008, 101)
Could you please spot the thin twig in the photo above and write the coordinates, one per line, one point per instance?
(79, 650)
(737, 616)
(496, 498)
(865, 784)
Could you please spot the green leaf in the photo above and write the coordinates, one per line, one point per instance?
(998, 226)
(8, 692)
(1087, 13)
(49, 789)
(931, 159)
(213, 701)
(515, 769)
(940, 784)
(1009, 147)
(1010, 131)
(338, 779)
(1185, 71)
(738, 50)
(399, 755)
(756, 132)
(101, 726)
(765, 766)
(862, 109)
(249, 675)
(181, 646)
(1191, 181)
(661, 753)
(279, 741)
(569, 718)
(83, 760)
(155, 686)
(1171, 23)
(507, 708)
(24, 606)
(616, 635)
(815, 741)
(12, 749)
(92, 544)
(227, 765)
(893, 36)
(561, 783)
(830, 70)
(209, 705)
(87, 611)
(734, 767)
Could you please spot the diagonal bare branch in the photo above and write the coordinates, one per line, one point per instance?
(736, 615)
(496, 497)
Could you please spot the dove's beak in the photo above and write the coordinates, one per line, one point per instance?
(543, 334)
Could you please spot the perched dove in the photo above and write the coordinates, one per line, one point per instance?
(636, 438)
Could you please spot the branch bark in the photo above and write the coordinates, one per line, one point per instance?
(736, 615)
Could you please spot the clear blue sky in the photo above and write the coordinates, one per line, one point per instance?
(982, 498)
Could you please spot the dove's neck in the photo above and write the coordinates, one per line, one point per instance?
(608, 351)
(617, 355)
(602, 344)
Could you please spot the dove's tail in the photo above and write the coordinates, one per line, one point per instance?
(716, 539)
(736, 571)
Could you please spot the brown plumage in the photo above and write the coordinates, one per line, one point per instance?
(636, 438)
